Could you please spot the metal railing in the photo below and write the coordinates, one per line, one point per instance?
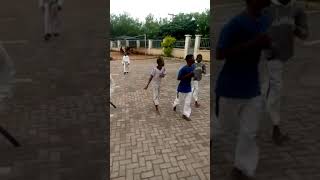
(205, 44)
(179, 44)
(156, 43)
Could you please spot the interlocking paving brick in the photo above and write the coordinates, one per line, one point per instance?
(160, 147)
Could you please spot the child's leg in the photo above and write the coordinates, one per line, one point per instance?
(47, 19)
(187, 104)
(177, 100)
(56, 21)
(195, 90)
(124, 67)
(156, 91)
(247, 155)
(274, 92)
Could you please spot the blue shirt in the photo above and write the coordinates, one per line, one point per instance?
(185, 84)
(239, 77)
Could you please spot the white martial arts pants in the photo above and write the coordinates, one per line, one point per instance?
(195, 90)
(156, 94)
(272, 85)
(125, 67)
(241, 117)
(52, 21)
(185, 100)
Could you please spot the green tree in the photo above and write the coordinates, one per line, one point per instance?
(179, 26)
(123, 24)
(151, 27)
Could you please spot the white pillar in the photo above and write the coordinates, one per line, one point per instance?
(138, 43)
(187, 45)
(127, 43)
(111, 44)
(150, 46)
(197, 45)
(119, 44)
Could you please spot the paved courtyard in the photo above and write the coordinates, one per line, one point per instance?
(144, 145)
(57, 109)
(299, 158)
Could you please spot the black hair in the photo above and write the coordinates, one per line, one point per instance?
(160, 60)
(199, 55)
(188, 57)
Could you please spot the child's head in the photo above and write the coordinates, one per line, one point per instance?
(257, 5)
(199, 58)
(160, 61)
(189, 59)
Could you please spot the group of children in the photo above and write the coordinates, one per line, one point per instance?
(186, 88)
(264, 31)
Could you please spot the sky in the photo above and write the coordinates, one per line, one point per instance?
(159, 8)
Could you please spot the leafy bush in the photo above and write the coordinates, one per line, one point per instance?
(167, 45)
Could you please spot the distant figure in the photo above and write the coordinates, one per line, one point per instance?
(51, 11)
(125, 63)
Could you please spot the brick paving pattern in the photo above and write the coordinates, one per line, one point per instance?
(299, 158)
(144, 145)
(57, 111)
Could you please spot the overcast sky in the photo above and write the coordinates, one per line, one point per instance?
(159, 8)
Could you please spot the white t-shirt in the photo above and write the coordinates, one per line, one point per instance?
(156, 75)
(125, 59)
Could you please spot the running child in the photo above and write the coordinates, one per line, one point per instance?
(288, 21)
(157, 73)
(239, 103)
(184, 91)
(200, 69)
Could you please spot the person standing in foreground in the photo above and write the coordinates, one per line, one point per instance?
(200, 69)
(125, 63)
(157, 74)
(288, 20)
(239, 101)
(184, 91)
(51, 11)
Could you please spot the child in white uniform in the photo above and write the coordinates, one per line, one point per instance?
(157, 74)
(125, 63)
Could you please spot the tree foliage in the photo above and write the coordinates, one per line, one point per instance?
(167, 45)
(180, 25)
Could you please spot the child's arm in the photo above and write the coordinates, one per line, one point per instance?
(164, 72)
(150, 79)
(181, 76)
(301, 22)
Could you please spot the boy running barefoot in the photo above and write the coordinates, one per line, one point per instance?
(288, 21)
(157, 74)
(184, 91)
(200, 69)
